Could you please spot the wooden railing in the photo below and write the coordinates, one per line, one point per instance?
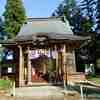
(75, 77)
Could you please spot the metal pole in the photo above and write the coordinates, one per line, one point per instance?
(82, 95)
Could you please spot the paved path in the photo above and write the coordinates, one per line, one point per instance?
(43, 92)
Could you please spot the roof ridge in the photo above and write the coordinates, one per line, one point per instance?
(43, 18)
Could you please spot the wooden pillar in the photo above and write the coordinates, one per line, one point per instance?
(56, 62)
(21, 66)
(29, 68)
(74, 63)
(45, 67)
(64, 65)
(45, 62)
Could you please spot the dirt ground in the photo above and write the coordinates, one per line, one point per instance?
(65, 97)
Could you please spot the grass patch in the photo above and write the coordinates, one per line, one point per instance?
(4, 84)
(95, 79)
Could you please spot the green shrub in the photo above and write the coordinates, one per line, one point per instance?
(4, 84)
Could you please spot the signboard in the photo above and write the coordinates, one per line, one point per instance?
(9, 70)
(33, 54)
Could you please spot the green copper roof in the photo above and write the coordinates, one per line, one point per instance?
(45, 25)
(53, 28)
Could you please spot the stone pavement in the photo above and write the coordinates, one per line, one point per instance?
(37, 90)
(42, 93)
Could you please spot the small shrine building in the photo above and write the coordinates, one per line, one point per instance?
(44, 49)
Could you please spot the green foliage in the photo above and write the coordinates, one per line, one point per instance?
(75, 15)
(8, 65)
(2, 32)
(70, 3)
(86, 25)
(98, 18)
(59, 11)
(14, 17)
(88, 6)
(3, 36)
(68, 9)
(95, 79)
(4, 84)
(98, 44)
(51, 65)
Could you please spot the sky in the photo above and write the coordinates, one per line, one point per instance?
(36, 8)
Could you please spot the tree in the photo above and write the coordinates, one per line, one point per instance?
(3, 34)
(14, 16)
(2, 37)
(88, 8)
(98, 16)
(98, 36)
(59, 11)
(80, 24)
(69, 9)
